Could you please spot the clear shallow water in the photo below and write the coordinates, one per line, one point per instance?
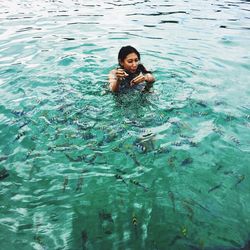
(83, 164)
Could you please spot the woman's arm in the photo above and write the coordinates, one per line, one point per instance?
(114, 82)
(115, 78)
(149, 78)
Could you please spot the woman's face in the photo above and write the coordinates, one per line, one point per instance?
(130, 63)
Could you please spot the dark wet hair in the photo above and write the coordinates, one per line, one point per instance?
(124, 51)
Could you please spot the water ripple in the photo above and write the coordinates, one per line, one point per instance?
(74, 155)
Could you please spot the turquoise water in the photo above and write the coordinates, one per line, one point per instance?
(84, 169)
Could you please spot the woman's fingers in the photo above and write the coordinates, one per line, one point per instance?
(120, 73)
(137, 80)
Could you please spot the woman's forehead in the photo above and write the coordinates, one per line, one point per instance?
(131, 56)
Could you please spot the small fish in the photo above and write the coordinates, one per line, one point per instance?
(24, 124)
(177, 143)
(87, 136)
(78, 159)
(201, 206)
(218, 131)
(229, 118)
(137, 183)
(193, 202)
(119, 177)
(104, 216)
(185, 125)
(116, 149)
(21, 134)
(171, 161)
(192, 143)
(25, 227)
(3, 158)
(18, 113)
(199, 113)
(163, 150)
(135, 224)
(79, 183)
(228, 172)
(134, 220)
(133, 157)
(215, 187)
(3, 174)
(202, 104)
(110, 137)
(108, 231)
(232, 242)
(141, 148)
(186, 136)
(120, 171)
(218, 166)
(84, 237)
(217, 103)
(29, 153)
(38, 239)
(235, 140)
(189, 209)
(187, 161)
(184, 231)
(65, 183)
(240, 179)
(84, 171)
(171, 197)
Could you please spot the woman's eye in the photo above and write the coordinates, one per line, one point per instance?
(131, 61)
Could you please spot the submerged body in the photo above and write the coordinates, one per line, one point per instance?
(131, 74)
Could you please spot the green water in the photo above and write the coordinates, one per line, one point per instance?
(90, 170)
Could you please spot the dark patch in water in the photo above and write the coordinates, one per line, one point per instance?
(169, 21)
(158, 13)
(3, 174)
(82, 23)
(187, 161)
(105, 216)
(149, 26)
(205, 18)
(69, 38)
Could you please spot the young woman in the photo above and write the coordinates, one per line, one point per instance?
(130, 73)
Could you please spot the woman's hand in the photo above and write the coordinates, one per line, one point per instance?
(138, 79)
(141, 78)
(120, 74)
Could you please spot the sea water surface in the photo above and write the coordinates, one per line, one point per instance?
(81, 168)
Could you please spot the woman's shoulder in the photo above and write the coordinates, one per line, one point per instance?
(112, 73)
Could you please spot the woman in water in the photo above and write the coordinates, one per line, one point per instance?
(130, 73)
